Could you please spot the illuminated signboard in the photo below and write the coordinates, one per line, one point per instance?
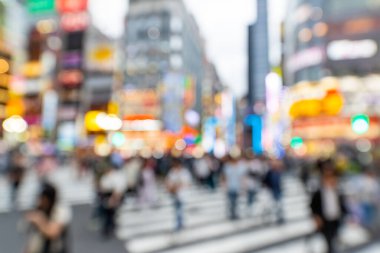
(306, 58)
(40, 6)
(65, 6)
(71, 60)
(338, 50)
(71, 22)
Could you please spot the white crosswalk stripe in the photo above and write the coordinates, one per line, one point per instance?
(371, 249)
(208, 230)
(71, 190)
(350, 237)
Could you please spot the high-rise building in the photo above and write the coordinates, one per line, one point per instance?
(164, 49)
(258, 66)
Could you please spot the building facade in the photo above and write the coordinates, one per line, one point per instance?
(164, 48)
(332, 70)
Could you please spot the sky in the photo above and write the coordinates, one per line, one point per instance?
(224, 24)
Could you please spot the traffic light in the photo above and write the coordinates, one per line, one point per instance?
(296, 142)
(360, 123)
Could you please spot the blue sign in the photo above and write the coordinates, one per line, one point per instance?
(256, 122)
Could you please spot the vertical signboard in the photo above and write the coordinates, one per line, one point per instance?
(50, 109)
(5, 76)
(74, 21)
(172, 99)
(2, 21)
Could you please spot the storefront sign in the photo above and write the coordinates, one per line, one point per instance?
(40, 6)
(65, 6)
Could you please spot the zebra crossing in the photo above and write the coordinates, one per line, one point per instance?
(208, 230)
(375, 248)
(71, 189)
(350, 237)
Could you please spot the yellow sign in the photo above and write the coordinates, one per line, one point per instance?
(113, 108)
(32, 69)
(102, 53)
(90, 121)
(15, 106)
(331, 104)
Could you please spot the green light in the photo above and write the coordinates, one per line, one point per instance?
(360, 123)
(40, 6)
(118, 139)
(296, 142)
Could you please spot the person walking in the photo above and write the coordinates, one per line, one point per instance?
(177, 181)
(147, 184)
(327, 205)
(48, 224)
(273, 180)
(112, 188)
(369, 194)
(132, 170)
(233, 180)
(16, 175)
(253, 177)
(203, 171)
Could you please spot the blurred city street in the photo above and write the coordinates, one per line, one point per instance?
(207, 230)
(190, 126)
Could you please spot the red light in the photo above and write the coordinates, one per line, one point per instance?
(65, 6)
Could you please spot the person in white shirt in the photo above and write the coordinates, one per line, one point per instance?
(234, 173)
(132, 171)
(48, 224)
(177, 182)
(148, 185)
(112, 188)
(202, 170)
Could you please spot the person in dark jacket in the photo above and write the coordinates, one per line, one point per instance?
(273, 181)
(327, 205)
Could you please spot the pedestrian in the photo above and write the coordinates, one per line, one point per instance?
(16, 175)
(147, 184)
(177, 182)
(327, 205)
(369, 194)
(47, 164)
(233, 180)
(98, 170)
(132, 170)
(273, 180)
(203, 171)
(112, 187)
(253, 177)
(48, 224)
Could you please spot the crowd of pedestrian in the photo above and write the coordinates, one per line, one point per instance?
(336, 196)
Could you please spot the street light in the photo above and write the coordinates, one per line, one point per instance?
(15, 124)
(108, 122)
